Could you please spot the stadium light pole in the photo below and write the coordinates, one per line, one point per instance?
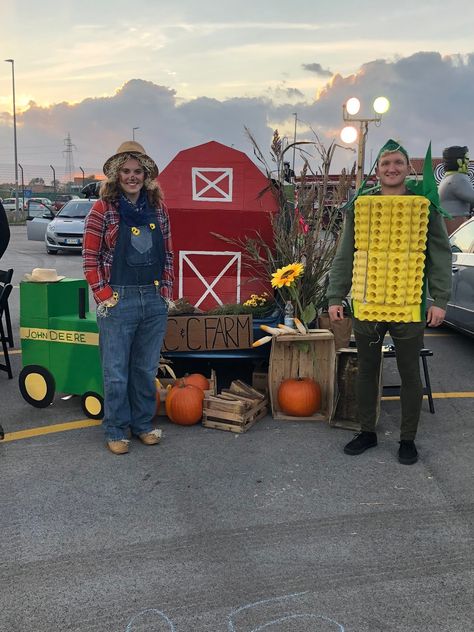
(12, 62)
(350, 134)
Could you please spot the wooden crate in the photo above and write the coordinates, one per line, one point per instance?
(166, 381)
(311, 355)
(345, 401)
(260, 381)
(235, 409)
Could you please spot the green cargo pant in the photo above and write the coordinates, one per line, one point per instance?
(408, 341)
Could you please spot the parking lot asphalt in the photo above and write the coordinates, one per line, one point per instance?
(273, 530)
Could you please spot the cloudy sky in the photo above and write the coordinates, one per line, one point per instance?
(185, 72)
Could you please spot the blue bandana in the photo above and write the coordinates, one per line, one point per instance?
(137, 214)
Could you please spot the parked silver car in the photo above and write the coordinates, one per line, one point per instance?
(63, 231)
(460, 311)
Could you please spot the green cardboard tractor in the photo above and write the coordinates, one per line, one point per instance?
(59, 341)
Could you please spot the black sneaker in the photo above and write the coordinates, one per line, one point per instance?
(407, 452)
(361, 442)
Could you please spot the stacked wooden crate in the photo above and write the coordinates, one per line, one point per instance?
(236, 408)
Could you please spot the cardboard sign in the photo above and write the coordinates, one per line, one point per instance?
(208, 333)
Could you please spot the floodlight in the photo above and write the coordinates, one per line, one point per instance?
(349, 134)
(381, 105)
(353, 105)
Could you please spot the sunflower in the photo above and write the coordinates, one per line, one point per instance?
(284, 277)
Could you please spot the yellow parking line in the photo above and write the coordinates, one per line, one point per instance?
(466, 394)
(88, 423)
(43, 430)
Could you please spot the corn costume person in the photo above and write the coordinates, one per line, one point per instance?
(394, 244)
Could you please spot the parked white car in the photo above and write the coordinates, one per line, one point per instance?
(9, 204)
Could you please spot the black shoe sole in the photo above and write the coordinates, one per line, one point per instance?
(353, 452)
(408, 461)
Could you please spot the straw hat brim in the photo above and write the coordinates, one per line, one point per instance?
(107, 163)
(30, 278)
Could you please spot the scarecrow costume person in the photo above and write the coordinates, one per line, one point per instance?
(394, 244)
(128, 263)
(456, 191)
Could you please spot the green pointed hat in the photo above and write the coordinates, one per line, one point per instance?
(390, 146)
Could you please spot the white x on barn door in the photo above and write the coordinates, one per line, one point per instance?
(230, 259)
(212, 184)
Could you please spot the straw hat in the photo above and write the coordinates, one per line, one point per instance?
(43, 275)
(135, 149)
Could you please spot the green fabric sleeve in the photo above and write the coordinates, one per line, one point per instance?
(438, 261)
(340, 277)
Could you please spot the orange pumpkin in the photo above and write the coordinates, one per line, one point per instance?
(184, 404)
(197, 379)
(299, 397)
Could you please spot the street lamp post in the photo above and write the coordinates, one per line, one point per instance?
(54, 179)
(22, 186)
(83, 177)
(350, 134)
(12, 62)
(133, 132)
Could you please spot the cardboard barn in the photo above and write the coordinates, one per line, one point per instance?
(214, 188)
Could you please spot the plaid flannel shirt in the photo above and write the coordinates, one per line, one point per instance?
(100, 236)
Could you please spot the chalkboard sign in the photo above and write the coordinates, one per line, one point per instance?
(208, 333)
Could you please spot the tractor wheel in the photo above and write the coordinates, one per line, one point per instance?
(92, 405)
(37, 386)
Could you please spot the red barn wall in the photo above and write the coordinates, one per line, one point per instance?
(215, 188)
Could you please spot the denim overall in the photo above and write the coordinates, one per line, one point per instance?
(131, 333)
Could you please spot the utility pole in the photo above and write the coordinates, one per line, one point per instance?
(295, 114)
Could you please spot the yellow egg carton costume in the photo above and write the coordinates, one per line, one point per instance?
(389, 261)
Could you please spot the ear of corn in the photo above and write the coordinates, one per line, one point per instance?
(389, 263)
(286, 329)
(274, 331)
(262, 341)
(299, 326)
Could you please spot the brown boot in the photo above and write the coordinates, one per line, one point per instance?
(118, 447)
(150, 438)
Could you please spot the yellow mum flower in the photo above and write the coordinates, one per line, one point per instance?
(284, 277)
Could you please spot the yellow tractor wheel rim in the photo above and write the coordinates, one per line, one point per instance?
(92, 405)
(36, 386)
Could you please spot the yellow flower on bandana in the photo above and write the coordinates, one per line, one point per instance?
(135, 230)
(284, 277)
(152, 226)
